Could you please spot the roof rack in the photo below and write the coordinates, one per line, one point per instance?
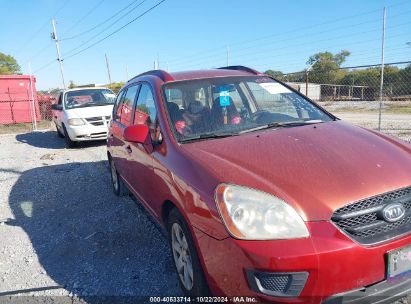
(163, 75)
(241, 68)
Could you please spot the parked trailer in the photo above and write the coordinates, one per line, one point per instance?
(18, 100)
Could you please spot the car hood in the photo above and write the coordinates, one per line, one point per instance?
(87, 112)
(315, 168)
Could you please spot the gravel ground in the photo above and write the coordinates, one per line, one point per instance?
(65, 237)
(395, 118)
(64, 233)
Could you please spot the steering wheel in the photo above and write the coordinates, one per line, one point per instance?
(256, 116)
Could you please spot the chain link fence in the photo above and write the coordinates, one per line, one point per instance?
(354, 94)
(22, 109)
(351, 93)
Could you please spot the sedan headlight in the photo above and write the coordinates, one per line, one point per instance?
(255, 215)
(75, 122)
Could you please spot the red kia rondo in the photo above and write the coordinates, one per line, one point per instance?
(261, 191)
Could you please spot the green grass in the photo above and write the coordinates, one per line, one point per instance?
(23, 127)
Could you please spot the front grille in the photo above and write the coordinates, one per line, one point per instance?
(363, 220)
(98, 121)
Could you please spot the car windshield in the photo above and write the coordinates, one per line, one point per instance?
(89, 98)
(221, 107)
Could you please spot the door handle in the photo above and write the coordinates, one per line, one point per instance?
(128, 148)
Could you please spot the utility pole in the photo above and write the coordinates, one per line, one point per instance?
(306, 76)
(59, 59)
(382, 67)
(228, 55)
(32, 105)
(108, 69)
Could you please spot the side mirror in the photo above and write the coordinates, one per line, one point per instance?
(57, 107)
(136, 133)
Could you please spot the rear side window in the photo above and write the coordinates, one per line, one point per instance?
(118, 106)
(127, 105)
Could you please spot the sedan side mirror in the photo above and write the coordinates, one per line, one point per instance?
(136, 133)
(57, 107)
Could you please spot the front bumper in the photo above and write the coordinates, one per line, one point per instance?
(335, 264)
(384, 292)
(87, 132)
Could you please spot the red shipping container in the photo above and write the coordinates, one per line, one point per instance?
(16, 104)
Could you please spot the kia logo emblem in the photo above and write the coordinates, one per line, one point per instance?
(393, 212)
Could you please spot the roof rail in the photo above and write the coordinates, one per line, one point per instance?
(241, 68)
(163, 75)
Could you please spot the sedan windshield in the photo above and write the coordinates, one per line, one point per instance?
(221, 107)
(89, 98)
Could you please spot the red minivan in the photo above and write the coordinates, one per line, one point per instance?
(262, 192)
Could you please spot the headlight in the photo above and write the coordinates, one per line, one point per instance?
(75, 122)
(255, 215)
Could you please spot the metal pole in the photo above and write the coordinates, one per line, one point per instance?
(382, 68)
(228, 55)
(33, 106)
(108, 69)
(59, 59)
(306, 84)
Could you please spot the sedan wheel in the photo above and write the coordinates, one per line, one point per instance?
(182, 256)
(189, 270)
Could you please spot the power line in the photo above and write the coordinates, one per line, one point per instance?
(44, 66)
(106, 28)
(293, 38)
(24, 45)
(218, 50)
(104, 38)
(84, 17)
(286, 50)
(101, 23)
(117, 30)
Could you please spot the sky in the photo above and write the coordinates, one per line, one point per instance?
(195, 34)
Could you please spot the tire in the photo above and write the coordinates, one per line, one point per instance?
(69, 142)
(196, 284)
(119, 188)
(59, 134)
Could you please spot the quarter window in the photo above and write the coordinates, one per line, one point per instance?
(127, 105)
(118, 106)
(146, 112)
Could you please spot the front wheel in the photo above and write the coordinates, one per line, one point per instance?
(188, 267)
(69, 143)
(59, 134)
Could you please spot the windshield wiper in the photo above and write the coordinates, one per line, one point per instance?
(284, 124)
(208, 136)
(293, 123)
